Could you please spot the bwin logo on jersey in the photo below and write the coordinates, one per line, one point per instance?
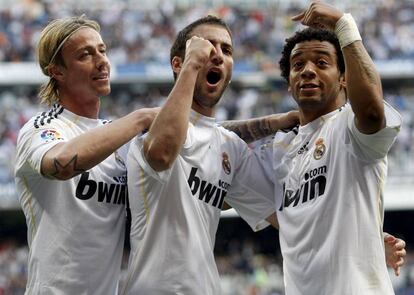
(314, 186)
(115, 193)
(207, 190)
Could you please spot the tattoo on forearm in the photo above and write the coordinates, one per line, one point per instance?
(365, 65)
(249, 130)
(63, 170)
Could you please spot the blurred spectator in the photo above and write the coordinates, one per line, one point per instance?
(135, 34)
(261, 276)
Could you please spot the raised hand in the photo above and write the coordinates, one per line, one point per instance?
(198, 52)
(394, 252)
(319, 15)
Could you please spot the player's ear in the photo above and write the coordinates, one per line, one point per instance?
(55, 72)
(176, 64)
(288, 83)
(342, 81)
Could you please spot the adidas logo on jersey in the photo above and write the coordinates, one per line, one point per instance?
(109, 193)
(314, 186)
(47, 117)
(304, 148)
(207, 191)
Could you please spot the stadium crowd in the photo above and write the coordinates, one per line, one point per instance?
(244, 271)
(134, 34)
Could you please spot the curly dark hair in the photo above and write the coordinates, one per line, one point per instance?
(178, 47)
(309, 34)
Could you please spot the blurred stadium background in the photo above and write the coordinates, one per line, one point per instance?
(139, 34)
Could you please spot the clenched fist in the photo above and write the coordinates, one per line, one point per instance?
(198, 52)
(319, 15)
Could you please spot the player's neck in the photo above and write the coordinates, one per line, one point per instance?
(205, 111)
(313, 111)
(306, 116)
(88, 108)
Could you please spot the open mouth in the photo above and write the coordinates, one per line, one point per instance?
(101, 77)
(213, 77)
(309, 86)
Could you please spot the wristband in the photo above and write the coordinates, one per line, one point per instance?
(346, 30)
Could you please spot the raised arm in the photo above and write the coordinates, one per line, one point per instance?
(168, 132)
(258, 128)
(68, 159)
(363, 83)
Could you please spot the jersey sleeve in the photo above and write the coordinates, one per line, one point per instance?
(251, 206)
(137, 157)
(264, 153)
(252, 191)
(376, 146)
(33, 143)
(136, 150)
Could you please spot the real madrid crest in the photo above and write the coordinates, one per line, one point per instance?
(226, 163)
(320, 149)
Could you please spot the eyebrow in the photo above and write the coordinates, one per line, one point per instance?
(220, 41)
(317, 51)
(225, 44)
(214, 40)
(87, 47)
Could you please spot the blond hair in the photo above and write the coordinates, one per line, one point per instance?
(52, 39)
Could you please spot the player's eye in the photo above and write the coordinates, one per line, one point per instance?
(322, 62)
(227, 50)
(84, 54)
(297, 64)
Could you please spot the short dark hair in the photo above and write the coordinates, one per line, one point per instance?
(178, 47)
(309, 34)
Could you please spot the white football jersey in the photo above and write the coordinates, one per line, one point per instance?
(175, 213)
(329, 182)
(75, 227)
